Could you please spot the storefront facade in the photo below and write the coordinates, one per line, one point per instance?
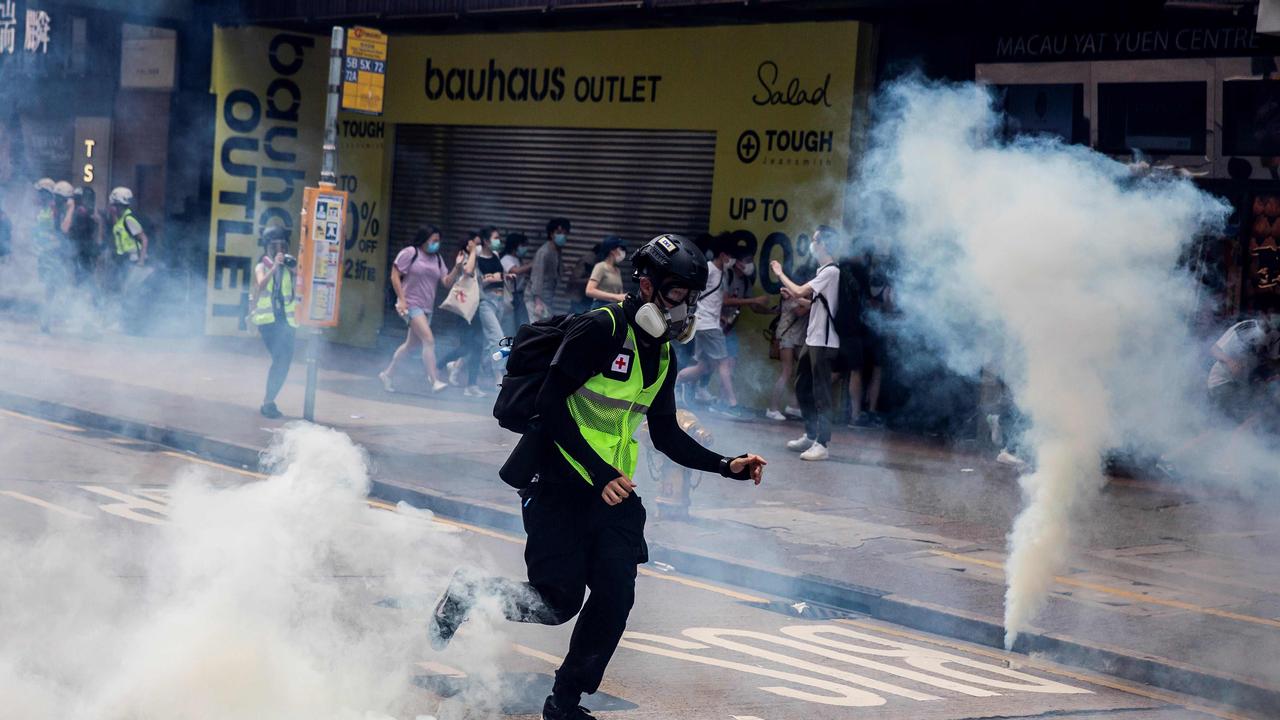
(728, 128)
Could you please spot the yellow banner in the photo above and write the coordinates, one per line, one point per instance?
(270, 87)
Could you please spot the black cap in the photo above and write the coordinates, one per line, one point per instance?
(671, 261)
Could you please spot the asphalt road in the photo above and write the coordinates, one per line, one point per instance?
(693, 649)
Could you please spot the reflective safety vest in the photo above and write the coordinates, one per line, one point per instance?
(610, 406)
(126, 243)
(264, 312)
(45, 232)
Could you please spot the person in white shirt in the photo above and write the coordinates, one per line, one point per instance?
(822, 343)
(710, 350)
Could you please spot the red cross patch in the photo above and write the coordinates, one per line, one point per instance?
(620, 368)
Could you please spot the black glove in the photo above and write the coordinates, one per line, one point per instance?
(726, 471)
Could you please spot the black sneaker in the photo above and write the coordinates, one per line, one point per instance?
(451, 610)
(552, 711)
(270, 410)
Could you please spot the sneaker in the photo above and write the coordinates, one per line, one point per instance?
(552, 711)
(800, 444)
(863, 420)
(1007, 458)
(702, 395)
(474, 391)
(270, 410)
(793, 411)
(817, 451)
(775, 415)
(386, 382)
(455, 372)
(437, 386)
(451, 611)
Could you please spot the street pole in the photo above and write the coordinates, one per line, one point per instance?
(328, 180)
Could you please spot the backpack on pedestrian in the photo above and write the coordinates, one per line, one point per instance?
(847, 322)
(533, 350)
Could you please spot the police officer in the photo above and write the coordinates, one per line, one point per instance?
(274, 307)
(584, 520)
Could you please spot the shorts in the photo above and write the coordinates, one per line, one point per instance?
(710, 345)
(793, 330)
(415, 312)
(731, 343)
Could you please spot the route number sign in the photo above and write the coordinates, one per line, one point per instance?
(364, 71)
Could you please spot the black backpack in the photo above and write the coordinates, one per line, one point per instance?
(533, 349)
(847, 321)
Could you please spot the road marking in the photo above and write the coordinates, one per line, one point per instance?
(538, 654)
(439, 668)
(42, 421)
(213, 464)
(840, 695)
(128, 505)
(44, 504)
(1102, 680)
(1128, 595)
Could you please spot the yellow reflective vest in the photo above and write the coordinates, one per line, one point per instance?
(264, 312)
(610, 406)
(126, 243)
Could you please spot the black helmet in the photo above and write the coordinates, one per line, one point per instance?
(672, 261)
(274, 233)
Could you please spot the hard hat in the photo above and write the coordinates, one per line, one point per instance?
(45, 184)
(121, 196)
(63, 189)
(274, 233)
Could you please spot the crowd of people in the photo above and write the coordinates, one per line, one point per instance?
(811, 335)
(79, 248)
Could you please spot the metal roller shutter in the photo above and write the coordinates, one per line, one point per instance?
(632, 183)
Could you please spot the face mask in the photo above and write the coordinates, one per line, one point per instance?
(620, 257)
(495, 244)
(433, 247)
(709, 256)
(522, 251)
(674, 324)
(560, 240)
(747, 268)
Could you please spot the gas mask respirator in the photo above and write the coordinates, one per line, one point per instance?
(673, 324)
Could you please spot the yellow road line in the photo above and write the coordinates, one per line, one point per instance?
(537, 654)
(212, 464)
(1127, 594)
(1026, 660)
(44, 504)
(41, 421)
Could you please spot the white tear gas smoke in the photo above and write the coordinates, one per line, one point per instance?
(254, 601)
(1057, 267)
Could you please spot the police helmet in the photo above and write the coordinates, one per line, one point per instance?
(121, 196)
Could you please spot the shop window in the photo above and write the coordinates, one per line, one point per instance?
(1162, 118)
(1055, 110)
(1251, 117)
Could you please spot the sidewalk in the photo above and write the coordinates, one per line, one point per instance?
(1170, 588)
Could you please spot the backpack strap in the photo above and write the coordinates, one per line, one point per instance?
(831, 320)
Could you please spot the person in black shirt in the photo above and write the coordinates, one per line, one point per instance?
(585, 523)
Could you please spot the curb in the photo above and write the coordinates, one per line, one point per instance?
(1155, 671)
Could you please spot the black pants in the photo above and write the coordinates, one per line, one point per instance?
(578, 542)
(813, 391)
(278, 337)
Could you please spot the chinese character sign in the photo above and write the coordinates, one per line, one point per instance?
(364, 71)
(8, 27)
(37, 31)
